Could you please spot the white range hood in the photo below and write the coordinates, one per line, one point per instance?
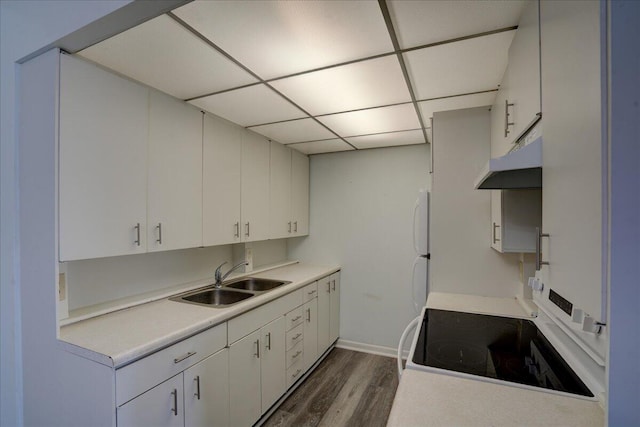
(520, 168)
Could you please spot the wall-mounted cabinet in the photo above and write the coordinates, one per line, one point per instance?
(174, 215)
(104, 124)
(515, 214)
(518, 103)
(222, 175)
(254, 191)
(289, 204)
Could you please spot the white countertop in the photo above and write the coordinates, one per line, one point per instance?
(429, 400)
(118, 338)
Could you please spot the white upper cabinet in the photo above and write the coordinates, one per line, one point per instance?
(281, 223)
(254, 187)
(104, 122)
(572, 157)
(175, 174)
(222, 172)
(518, 101)
(299, 193)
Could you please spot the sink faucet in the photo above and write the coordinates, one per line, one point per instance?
(220, 277)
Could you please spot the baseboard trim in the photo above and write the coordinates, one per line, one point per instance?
(370, 348)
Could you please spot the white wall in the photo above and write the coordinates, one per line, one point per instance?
(462, 260)
(361, 211)
(25, 26)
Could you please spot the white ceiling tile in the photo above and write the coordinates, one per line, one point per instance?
(163, 54)
(318, 147)
(462, 67)
(427, 108)
(360, 85)
(423, 22)
(294, 131)
(277, 38)
(375, 120)
(387, 139)
(249, 106)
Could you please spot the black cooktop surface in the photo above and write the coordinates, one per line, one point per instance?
(503, 348)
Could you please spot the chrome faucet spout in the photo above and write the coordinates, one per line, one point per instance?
(219, 277)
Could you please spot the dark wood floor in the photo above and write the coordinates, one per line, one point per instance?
(348, 388)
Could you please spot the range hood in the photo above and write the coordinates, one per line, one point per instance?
(520, 168)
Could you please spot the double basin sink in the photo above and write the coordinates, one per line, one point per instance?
(230, 293)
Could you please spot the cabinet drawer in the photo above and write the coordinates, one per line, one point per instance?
(309, 292)
(244, 324)
(294, 372)
(295, 354)
(294, 336)
(294, 318)
(138, 377)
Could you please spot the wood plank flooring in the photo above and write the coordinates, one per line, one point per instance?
(348, 388)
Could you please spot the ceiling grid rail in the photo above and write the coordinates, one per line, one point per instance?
(253, 74)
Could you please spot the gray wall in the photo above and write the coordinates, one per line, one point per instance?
(462, 260)
(361, 218)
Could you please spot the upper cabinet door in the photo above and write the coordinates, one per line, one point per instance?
(104, 121)
(222, 166)
(524, 72)
(175, 174)
(300, 193)
(572, 156)
(281, 224)
(255, 187)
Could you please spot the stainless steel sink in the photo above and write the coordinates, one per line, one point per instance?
(256, 285)
(214, 297)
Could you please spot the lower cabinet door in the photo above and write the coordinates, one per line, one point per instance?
(206, 392)
(334, 310)
(245, 402)
(324, 295)
(310, 342)
(273, 362)
(159, 407)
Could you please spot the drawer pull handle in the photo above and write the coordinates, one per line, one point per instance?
(295, 319)
(296, 373)
(311, 292)
(197, 393)
(186, 356)
(175, 402)
(298, 335)
(298, 353)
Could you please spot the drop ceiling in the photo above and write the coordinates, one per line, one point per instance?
(323, 76)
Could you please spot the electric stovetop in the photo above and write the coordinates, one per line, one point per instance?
(503, 348)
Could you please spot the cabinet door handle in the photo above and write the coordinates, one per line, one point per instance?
(329, 286)
(295, 226)
(539, 261)
(237, 233)
(137, 228)
(175, 402)
(308, 314)
(268, 341)
(289, 226)
(493, 234)
(197, 393)
(507, 123)
(186, 356)
(257, 353)
(334, 284)
(159, 227)
(247, 230)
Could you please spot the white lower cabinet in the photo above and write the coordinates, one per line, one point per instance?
(206, 392)
(328, 311)
(244, 380)
(257, 372)
(160, 406)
